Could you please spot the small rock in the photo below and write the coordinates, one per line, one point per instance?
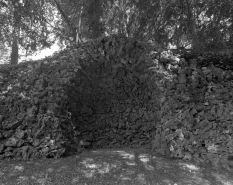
(36, 142)
(12, 141)
(193, 111)
(1, 148)
(20, 143)
(20, 134)
(8, 154)
(2, 156)
(220, 110)
(206, 103)
(13, 125)
(8, 149)
(1, 118)
(26, 151)
(45, 150)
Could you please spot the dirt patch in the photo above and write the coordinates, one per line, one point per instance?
(119, 166)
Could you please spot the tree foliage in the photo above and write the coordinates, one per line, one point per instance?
(201, 25)
(79, 20)
(198, 24)
(4, 54)
(23, 25)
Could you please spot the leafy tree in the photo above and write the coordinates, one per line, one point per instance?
(23, 26)
(93, 15)
(79, 20)
(202, 25)
(217, 30)
(143, 19)
(4, 54)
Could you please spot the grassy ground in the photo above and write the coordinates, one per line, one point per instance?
(103, 167)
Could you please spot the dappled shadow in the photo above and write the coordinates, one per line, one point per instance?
(111, 167)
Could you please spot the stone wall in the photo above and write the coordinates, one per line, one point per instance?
(112, 92)
(99, 93)
(118, 101)
(33, 120)
(197, 113)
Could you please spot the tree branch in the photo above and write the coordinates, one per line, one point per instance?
(64, 16)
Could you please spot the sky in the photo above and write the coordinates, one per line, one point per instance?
(38, 55)
(41, 54)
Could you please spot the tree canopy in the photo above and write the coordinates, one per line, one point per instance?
(197, 24)
(4, 57)
(23, 25)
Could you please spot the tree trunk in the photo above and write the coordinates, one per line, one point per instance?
(192, 24)
(14, 51)
(78, 34)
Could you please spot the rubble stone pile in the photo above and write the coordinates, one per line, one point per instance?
(34, 122)
(197, 113)
(112, 92)
(100, 93)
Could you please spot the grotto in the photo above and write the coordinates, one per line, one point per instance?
(112, 92)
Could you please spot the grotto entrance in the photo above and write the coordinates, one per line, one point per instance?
(113, 99)
(103, 89)
(112, 112)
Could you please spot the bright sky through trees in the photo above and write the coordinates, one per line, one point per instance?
(41, 54)
(31, 26)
